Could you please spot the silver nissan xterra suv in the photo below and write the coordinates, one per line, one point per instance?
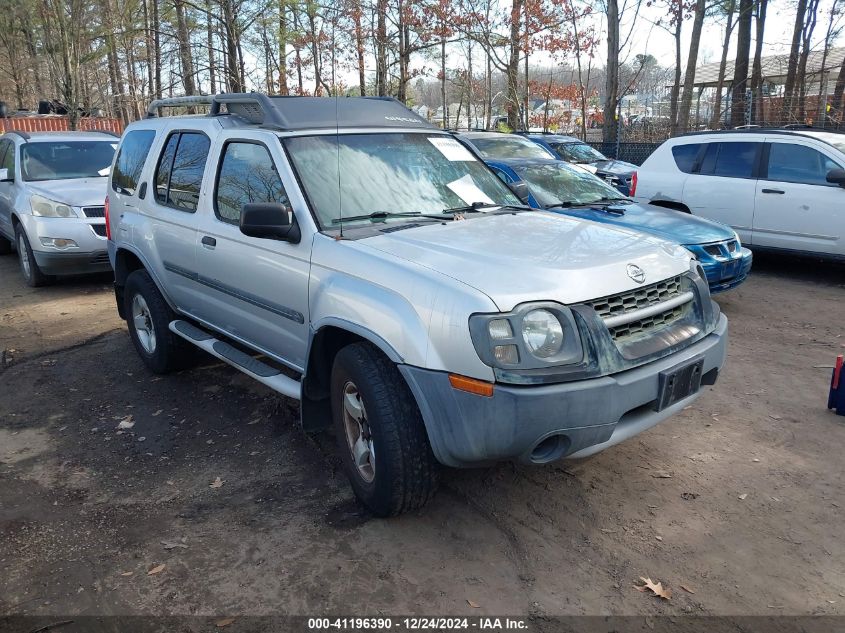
(346, 253)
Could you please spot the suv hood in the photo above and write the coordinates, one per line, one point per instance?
(76, 192)
(535, 256)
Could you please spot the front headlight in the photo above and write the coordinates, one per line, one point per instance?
(542, 333)
(46, 208)
(532, 336)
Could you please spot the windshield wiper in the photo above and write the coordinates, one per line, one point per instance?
(476, 207)
(384, 215)
(603, 203)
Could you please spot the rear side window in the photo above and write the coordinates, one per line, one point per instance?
(685, 156)
(130, 161)
(789, 162)
(7, 157)
(731, 160)
(247, 174)
(179, 173)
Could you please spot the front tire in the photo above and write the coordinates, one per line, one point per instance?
(148, 317)
(32, 274)
(380, 433)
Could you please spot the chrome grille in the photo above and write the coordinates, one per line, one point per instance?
(613, 309)
(638, 298)
(649, 323)
(94, 212)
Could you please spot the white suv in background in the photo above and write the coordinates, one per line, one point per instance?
(778, 189)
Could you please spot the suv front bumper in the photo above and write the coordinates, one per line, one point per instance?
(90, 256)
(584, 417)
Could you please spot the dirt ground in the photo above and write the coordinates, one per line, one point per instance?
(739, 499)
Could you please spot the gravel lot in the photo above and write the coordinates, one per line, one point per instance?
(739, 499)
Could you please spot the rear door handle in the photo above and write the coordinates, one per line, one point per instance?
(209, 242)
(778, 191)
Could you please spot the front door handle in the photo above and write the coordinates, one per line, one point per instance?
(778, 191)
(209, 242)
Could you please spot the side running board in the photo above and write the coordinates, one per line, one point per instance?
(262, 372)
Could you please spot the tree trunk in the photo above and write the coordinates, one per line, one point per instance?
(283, 47)
(676, 85)
(157, 48)
(723, 62)
(743, 49)
(790, 84)
(838, 92)
(359, 47)
(758, 111)
(148, 45)
(513, 64)
(611, 87)
(185, 59)
(806, 42)
(209, 43)
(381, 48)
(692, 62)
(233, 75)
(443, 82)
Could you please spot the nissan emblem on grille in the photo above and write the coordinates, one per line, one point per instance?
(636, 273)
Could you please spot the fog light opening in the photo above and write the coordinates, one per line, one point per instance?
(550, 449)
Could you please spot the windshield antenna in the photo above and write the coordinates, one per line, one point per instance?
(337, 144)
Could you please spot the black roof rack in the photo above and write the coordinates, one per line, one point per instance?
(20, 133)
(295, 113)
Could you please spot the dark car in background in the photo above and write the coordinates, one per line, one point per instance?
(573, 150)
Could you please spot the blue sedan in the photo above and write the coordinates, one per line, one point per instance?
(566, 189)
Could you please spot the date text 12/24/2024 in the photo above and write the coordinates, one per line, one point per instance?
(418, 624)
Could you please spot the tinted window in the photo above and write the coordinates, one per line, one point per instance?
(64, 160)
(130, 160)
(797, 163)
(557, 183)
(732, 160)
(180, 169)
(7, 157)
(685, 156)
(578, 152)
(247, 174)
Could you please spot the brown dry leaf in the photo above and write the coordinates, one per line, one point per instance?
(224, 622)
(127, 573)
(687, 589)
(474, 605)
(217, 483)
(655, 587)
(156, 570)
(661, 474)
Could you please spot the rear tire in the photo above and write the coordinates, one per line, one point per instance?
(32, 274)
(380, 433)
(148, 317)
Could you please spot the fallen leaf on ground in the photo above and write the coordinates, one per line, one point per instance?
(127, 573)
(156, 570)
(661, 474)
(687, 589)
(126, 423)
(224, 622)
(659, 538)
(689, 495)
(474, 605)
(656, 588)
(774, 417)
(217, 483)
(157, 413)
(742, 496)
(174, 544)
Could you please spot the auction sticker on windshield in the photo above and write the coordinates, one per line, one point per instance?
(468, 191)
(451, 149)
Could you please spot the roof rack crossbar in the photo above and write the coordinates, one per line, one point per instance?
(175, 102)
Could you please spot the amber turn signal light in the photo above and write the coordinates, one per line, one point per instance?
(471, 385)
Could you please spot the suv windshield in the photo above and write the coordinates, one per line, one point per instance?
(391, 173)
(61, 160)
(577, 152)
(508, 146)
(556, 183)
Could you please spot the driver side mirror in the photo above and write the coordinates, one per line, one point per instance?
(837, 177)
(270, 220)
(520, 190)
(5, 177)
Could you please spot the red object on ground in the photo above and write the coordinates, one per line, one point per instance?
(837, 370)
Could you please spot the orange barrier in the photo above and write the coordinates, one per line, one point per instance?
(53, 123)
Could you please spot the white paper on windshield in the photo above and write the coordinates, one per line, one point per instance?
(105, 171)
(467, 191)
(451, 149)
